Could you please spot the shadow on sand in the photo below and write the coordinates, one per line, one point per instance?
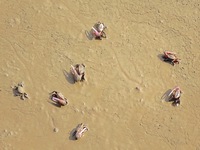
(166, 96)
(69, 77)
(55, 104)
(160, 56)
(72, 134)
(89, 34)
(16, 93)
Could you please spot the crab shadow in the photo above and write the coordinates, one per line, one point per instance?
(166, 96)
(54, 104)
(89, 34)
(69, 77)
(15, 92)
(160, 56)
(72, 134)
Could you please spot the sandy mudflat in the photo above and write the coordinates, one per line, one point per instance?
(40, 39)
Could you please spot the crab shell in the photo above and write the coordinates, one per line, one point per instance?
(81, 69)
(100, 27)
(172, 56)
(20, 89)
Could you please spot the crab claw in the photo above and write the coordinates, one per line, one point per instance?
(62, 102)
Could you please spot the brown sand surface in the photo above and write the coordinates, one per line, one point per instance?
(40, 39)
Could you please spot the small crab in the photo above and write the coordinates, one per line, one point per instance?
(98, 30)
(80, 130)
(19, 91)
(175, 95)
(170, 57)
(59, 98)
(78, 72)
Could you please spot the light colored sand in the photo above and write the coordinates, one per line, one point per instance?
(39, 40)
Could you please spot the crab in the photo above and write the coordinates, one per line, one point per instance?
(170, 57)
(59, 98)
(175, 95)
(78, 72)
(98, 30)
(80, 130)
(19, 91)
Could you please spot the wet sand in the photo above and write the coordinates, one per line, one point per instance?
(40, 40)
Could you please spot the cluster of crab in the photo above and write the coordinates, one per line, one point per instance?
(175, 94)
(78, 73)
(170, 57)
